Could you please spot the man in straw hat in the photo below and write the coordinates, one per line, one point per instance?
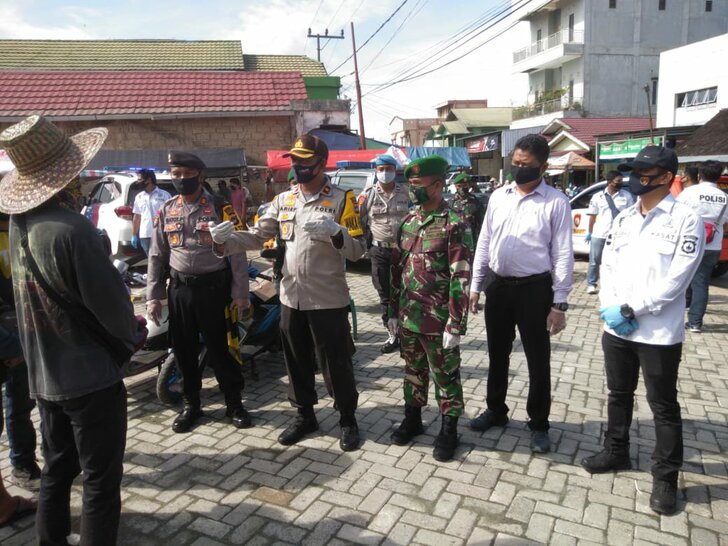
(76, 327)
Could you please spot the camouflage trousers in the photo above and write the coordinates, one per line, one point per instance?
(423, 354)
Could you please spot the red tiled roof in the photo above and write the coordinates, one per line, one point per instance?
(101, 93)
(586, 129)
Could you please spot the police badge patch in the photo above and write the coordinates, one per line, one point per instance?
(689, 244)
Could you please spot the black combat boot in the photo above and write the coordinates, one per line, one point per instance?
(188, 416)
(663, 499)
(349, 433)
(305, 423)
(411, 426)
(235, 411)
(607, 461)
(447, 440)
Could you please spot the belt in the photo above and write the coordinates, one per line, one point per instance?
(515, 281)
(384, 244)
(216, 277)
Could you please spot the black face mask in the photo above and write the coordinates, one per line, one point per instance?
(524, 175)
(186, 186)
(636, 187)
(305, 173)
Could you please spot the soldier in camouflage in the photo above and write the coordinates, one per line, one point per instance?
(429, 303)
(467, 204)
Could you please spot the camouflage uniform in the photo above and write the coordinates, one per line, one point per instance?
(472, 211)
(430, 282)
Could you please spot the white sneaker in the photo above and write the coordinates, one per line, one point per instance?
(591, 289)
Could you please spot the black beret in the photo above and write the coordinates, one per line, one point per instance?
(185, 159)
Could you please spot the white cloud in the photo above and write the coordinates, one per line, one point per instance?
(14, 25)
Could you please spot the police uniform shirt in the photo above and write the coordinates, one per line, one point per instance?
(146, 206)
(382, 214)
(648, 263)
(599, 207)
(182, 239)
(709, 202)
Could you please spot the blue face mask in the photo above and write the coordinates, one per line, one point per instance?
(636, 186)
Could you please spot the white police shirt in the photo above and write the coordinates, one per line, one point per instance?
(146, 205)
(709, 201)
(599, 207)
(648, 263)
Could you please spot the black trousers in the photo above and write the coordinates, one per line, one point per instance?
(381, 259)
(623, 360)
(196, 310)
(525, 306)
(323, 336)
(82, 434)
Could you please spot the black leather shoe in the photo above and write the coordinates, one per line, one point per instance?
(663, 499)
(390, 346)
(186, 419)
(303, 424)
(410, 427)
(447, 439)
(239, 417)
(349, 440)
(540, 441)
(606, 461)
(487, 420)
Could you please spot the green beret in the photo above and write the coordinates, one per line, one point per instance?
(425, 166)
(461, 178)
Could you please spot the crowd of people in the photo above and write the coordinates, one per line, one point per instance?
(430, 260)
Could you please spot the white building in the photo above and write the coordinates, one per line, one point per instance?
(596, 57)
(693, 83)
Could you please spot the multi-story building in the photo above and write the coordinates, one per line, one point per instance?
(410, 131)
(601, 57)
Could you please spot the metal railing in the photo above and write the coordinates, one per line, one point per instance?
(546, 107)
(565, 36)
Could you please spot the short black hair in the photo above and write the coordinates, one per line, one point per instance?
(711, 170)
(235, 181)
(692, 172)
(148, 174)
(536, 145)
(611, 175)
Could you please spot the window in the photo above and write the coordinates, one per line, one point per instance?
(708, 5)
(654, 91)
(699, 97)
(612, 4)
(661, 5)
(571, 92)
(539, 45)
(571, 28)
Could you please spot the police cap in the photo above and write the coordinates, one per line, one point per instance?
(652, 156)
(425, 166)
(185, 159)
(385, 159)
(308, 146)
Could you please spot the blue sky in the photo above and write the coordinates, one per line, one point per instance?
(280, 27)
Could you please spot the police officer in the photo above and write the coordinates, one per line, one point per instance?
(429, 303)
(650, 255)
(201, 286)
(467, 204)
(382, 208)
(320, 226)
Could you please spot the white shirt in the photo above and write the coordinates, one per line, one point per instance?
(599, 207)
(648, 263)
(709, 202)
(146, 205)
(526, 235)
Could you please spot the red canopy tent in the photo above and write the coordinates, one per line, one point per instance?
(276, 161)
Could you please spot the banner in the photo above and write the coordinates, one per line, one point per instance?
(626, 148)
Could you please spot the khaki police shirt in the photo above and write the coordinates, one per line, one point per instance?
(313, 268)
(182, 240)
(382, 214)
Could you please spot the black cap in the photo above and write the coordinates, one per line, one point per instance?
(652, 156)
(307, 146)
(185, 159)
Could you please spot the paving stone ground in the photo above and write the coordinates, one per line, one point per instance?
(219, 485)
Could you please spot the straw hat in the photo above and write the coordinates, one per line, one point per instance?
(45, 160)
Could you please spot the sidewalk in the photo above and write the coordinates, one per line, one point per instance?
(220, 485)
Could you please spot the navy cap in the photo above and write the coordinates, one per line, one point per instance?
(652, 156)
(185, 159)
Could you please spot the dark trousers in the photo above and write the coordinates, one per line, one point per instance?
(19, 426)
(525, 306)
(323, 336)
(196, 310)
(659, 363)
(381, 259)
(82, 434)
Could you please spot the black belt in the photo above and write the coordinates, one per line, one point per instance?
(216, 277)
(515, 281)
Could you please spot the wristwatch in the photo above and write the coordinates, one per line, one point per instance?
(563, 306)
(627, 312)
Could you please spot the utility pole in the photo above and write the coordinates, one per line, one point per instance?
(649, 110)
(324, 35)
(362, 138)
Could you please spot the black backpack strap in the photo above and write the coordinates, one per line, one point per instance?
(114, 346)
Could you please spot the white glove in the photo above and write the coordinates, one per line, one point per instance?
(393, 326)
(450, 341)
(326, 227)
(221, 232)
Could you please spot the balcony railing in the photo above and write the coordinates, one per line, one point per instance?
(565, 36)
(546, 107)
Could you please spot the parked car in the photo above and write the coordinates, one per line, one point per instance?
(357, 180)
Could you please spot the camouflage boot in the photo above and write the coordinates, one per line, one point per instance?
(411, 426)
(447, 440)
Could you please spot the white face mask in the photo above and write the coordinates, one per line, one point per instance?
(385, 177)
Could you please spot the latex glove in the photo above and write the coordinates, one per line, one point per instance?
(135, 241)
(474, 298)
(326, 227)
(450, 341)
(612, 316)
(555, 321)
(587, 237)
(154, 311)
(626, 328)
(393, 326)
(221, 232)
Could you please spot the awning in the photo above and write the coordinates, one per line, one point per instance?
(275, 159)
(570, 161)
(456, 156)
(222, 158)
(345, 141)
